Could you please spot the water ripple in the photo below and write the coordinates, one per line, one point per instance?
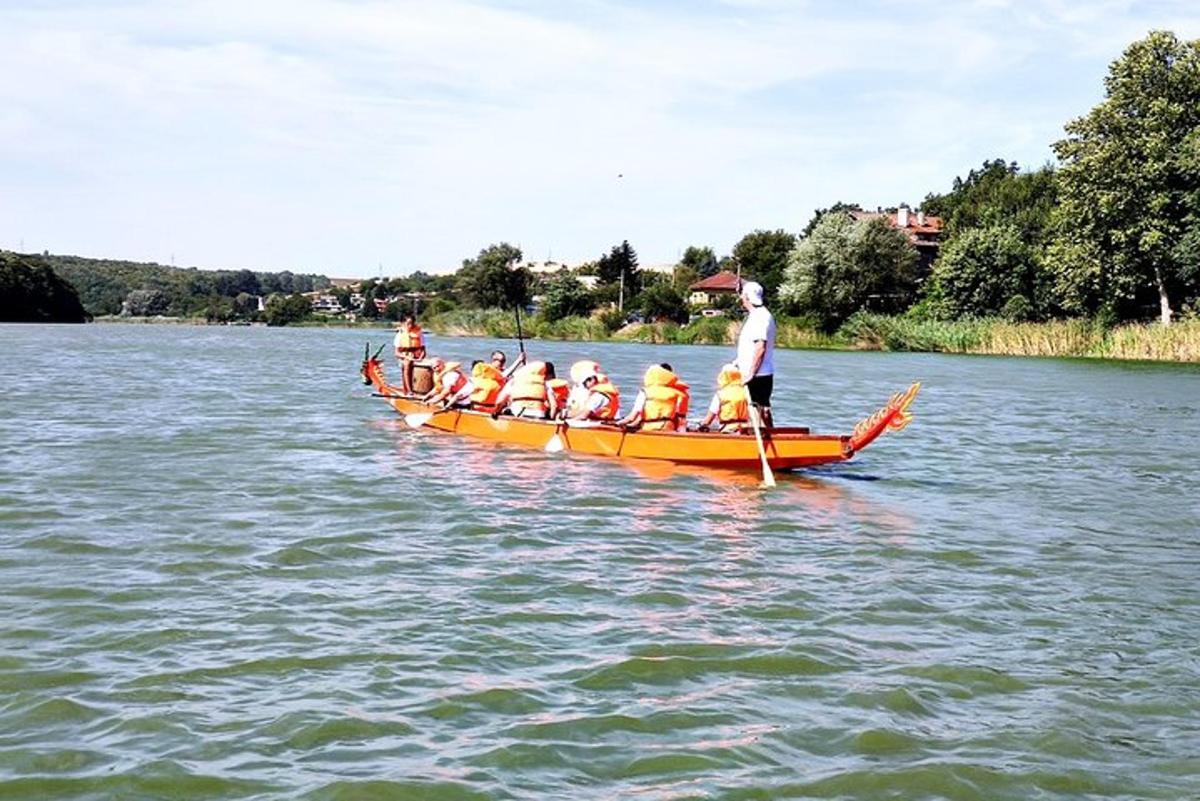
(247, 579)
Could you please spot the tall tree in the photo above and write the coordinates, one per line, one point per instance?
(565, 295)
(998, 194)
(846, 265)
(763, 256)
(988, 270)
(701, 260)
(31, 292)
(493, 279)
(1125, 191)
(819, 213)
(621, 261)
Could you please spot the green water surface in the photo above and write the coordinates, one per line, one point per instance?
(227, 572)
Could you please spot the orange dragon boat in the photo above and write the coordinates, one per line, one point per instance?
(785, 448)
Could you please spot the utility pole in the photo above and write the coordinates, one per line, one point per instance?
(621, 295)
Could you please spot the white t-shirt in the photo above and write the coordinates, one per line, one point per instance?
(759, 326)
(464, 394)
(639, 402)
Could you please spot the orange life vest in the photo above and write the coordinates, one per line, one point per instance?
(731, 395)
(488, 382)
(561, 390)
(411, 341)
(439, 382)
(666, 400)
(528, 393)
(612, 398)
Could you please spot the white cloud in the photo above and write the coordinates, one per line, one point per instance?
(331, 135)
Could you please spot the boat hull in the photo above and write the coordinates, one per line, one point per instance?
(785, 448)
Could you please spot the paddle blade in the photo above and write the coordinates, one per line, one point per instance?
(417, 419)
(555, 445)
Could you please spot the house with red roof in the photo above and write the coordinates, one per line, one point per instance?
(923, 230)
(706, 291)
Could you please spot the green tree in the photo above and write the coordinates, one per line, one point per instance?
(1124, 187)
(231, 283)
(998, 193)
(984, 270)
(662, 302)
(31, 292)
(846, 265)
(146, 303)
(285, 309)
(1187, 252)
(701, 260)
(492, 279)
(763, 256)
(245, 306)
(621, 261)
(819, 213)
(565, 295)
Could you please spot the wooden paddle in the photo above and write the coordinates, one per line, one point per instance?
(768, 476)
(556, 444)
(418, 419)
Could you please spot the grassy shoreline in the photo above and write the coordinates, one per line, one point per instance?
(1179, 342)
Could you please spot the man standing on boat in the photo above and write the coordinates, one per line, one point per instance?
(756, 349)
(409, 344)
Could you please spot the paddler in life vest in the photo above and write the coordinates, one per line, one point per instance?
(593, 397)
(409, 343)
(486, 383)
(451, 387)
(728, 409)
(527, 394)
(499, 360)
(558, 390)
(661, 404)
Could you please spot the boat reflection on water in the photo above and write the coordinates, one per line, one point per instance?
(659, 495)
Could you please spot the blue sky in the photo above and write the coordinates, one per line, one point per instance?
(336, 136)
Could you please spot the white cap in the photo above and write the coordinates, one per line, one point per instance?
(752, 293)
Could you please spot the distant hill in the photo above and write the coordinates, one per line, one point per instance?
(104, 284)
(31, 292)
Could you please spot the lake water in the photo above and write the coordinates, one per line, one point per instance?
(227, 572)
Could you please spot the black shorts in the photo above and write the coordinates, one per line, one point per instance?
(760, 389)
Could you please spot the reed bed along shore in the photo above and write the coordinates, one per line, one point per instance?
(1179, 342)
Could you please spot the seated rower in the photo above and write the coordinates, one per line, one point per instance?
(451, 387)
(527, 395)
(594, 397)
(499, 360)
(557, 392)
(661, 404)
(487, 381)
(728, 409)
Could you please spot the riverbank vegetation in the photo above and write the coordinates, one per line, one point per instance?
(31, 292)
(135, 289)
(1072, 338)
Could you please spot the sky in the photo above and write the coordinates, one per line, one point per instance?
(363, 137)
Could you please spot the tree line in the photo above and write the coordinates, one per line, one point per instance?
(111, 287)
(31, 292)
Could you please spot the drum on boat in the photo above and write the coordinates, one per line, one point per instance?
(422, 376)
